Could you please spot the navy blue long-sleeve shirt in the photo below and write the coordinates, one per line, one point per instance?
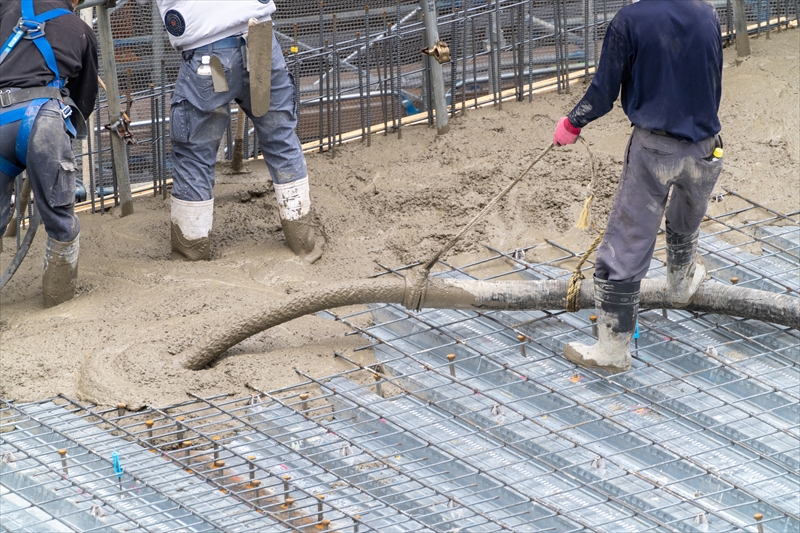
(666, 55)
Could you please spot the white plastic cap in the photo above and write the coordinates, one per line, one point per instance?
(205, 60)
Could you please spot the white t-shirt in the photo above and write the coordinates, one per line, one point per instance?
(195, 23)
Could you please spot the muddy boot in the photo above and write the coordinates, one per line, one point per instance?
(191, 228)
(294, 204)
(60, 275)
(301, 238)
(685, 269)
(617, 304)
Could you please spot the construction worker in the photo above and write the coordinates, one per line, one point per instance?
(48, 83)
(667, 58)
(211, 35)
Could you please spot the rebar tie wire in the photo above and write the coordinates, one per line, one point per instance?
(417, 286)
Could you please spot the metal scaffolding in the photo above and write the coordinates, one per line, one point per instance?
(466, 421)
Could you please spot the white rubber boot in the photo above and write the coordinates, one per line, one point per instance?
(294, 204)
(617, 304)
(60, 276)
(685, 269)
(191, 228)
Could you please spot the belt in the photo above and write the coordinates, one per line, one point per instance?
(236, 41)
(10, 97)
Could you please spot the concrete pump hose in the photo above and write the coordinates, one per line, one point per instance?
(440, 293)
(300, 304)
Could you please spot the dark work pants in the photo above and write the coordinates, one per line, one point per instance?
(51, 171)
(654, 164)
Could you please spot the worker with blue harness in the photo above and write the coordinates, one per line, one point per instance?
(48, 83)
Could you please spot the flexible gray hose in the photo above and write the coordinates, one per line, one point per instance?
(440, 293)
(23, 249)
(300, 304)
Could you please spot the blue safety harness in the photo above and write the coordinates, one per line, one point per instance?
(31, 26)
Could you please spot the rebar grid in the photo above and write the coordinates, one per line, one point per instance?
(492, 448)
(428, 395)
(313, 499)
(702, 433)
(394, 449)
(38, 442)
(191, 419)
(761, 451)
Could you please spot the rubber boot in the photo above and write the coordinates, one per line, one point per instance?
(294, 205)
(191, 228)
(60, 276)
(685, 269)
(302, 239)
(617, 305)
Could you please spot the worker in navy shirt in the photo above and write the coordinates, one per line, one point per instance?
(48, 83)
(666, 58)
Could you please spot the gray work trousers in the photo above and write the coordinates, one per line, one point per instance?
(51, 170)
(654, 164)
(199, 118)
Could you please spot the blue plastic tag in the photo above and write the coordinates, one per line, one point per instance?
(117, 465)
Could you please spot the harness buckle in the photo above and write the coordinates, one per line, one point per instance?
(30, 28)
(66, 111)
(5, 98)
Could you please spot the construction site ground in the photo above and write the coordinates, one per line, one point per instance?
(391, 203)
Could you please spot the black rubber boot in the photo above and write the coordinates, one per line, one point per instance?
(617, 306)
(685, 269)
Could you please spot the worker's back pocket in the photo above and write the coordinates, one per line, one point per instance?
(63, 192)
(657, 152)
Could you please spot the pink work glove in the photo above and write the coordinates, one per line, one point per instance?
(565, 133)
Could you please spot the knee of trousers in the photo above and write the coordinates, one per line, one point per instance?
(192, 178)
(60, 224)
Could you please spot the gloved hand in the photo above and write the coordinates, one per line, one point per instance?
(565, 133)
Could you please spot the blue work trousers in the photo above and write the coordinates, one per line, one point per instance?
(654, 164)
(51, 170)
(199, 117)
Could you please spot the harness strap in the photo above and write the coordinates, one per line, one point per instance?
(8, 168)
(10, 43)
(49, 58)
(7, 117)
(31, 26)
(21, 148)
(9, 98)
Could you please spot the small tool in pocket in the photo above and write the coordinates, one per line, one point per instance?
(218, 75)
(259, 58)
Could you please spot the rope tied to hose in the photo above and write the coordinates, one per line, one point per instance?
(585, 216)
(574, 289)
(417, 280)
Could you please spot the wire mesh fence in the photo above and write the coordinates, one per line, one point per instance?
(358, 69)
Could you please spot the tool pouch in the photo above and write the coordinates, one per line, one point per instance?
(259, 57)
